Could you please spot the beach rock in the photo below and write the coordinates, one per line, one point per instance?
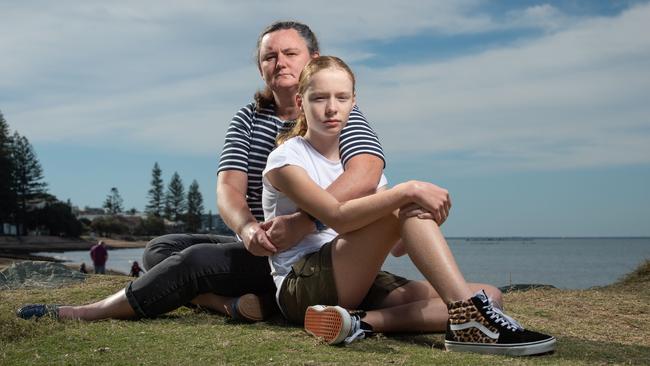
(38, 274)
(524, 287)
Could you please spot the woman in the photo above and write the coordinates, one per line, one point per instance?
(326, 268)
(224, 273)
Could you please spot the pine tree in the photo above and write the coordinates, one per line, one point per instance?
(175, 199)
(27, 177)
(114, 203)
(7, 197)
(156, 204)
(194, 207)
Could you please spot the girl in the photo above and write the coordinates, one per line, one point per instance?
(340, 264)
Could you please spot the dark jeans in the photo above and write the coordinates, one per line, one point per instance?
(182, 266)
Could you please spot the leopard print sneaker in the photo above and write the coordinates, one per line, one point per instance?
(476, 325)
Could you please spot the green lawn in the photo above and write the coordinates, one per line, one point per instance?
(601, 325)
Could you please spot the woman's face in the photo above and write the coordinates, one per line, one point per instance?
(283, 55)
(327, 101)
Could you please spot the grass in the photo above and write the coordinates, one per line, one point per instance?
(605, 325)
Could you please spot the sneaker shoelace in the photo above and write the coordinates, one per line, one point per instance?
(355, 330)
(500, 318)
(496, 314)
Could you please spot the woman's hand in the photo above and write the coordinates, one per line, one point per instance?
(287, 230)
(256, 241)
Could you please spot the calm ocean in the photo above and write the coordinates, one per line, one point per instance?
(570, 263)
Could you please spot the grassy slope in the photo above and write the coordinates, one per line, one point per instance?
(601, 325)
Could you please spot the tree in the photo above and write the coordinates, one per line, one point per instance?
(156, 204)
(105, 226)
(151, 225)
(175, 199)
(113, 202)
(194, 207)
(58, 219)
(221, 228)
(27, 177)
(7, 197)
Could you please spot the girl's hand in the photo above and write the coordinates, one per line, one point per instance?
(428, 201)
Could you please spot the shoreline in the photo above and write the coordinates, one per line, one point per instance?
(13, 250)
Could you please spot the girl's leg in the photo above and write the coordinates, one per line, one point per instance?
(429, 251)
(358, 256)
(417, 307)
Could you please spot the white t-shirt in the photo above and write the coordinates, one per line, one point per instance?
(297, 151)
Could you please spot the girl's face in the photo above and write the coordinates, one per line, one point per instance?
(327, 101)
(283, 55)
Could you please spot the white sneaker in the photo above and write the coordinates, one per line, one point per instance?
(333, 324)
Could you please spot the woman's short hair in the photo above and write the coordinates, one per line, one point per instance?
(264, 98)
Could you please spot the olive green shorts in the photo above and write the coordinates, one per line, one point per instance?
(311, 282)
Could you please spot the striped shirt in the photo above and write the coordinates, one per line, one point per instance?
(250, 138)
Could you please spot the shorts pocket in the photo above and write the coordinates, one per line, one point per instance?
(305, 267)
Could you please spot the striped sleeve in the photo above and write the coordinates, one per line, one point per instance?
(234, 155)
(359, 138)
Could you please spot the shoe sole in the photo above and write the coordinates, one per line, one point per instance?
(329, 323)
(520, 349)
(251, 308)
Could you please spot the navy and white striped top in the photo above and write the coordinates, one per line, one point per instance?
(251, 138)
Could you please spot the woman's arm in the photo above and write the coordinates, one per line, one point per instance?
(294, 182)
(231, 199)
(359, 179)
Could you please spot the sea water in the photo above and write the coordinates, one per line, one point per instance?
(569, 263)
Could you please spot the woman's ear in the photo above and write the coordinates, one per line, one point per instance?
(299, 101)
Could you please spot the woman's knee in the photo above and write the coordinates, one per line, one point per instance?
(160, 248)
(204, 256)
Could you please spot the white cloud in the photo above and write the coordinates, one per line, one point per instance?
(169, 75)
(544, 16)
(572, 98)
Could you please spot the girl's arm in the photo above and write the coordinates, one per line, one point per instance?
(344, 217)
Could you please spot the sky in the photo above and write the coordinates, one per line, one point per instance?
(535, 115)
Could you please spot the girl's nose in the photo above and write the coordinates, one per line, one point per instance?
(330, 108)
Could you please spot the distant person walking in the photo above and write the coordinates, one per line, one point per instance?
(135, 269)
(99, 255)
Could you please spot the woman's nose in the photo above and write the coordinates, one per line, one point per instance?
(280, 61)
